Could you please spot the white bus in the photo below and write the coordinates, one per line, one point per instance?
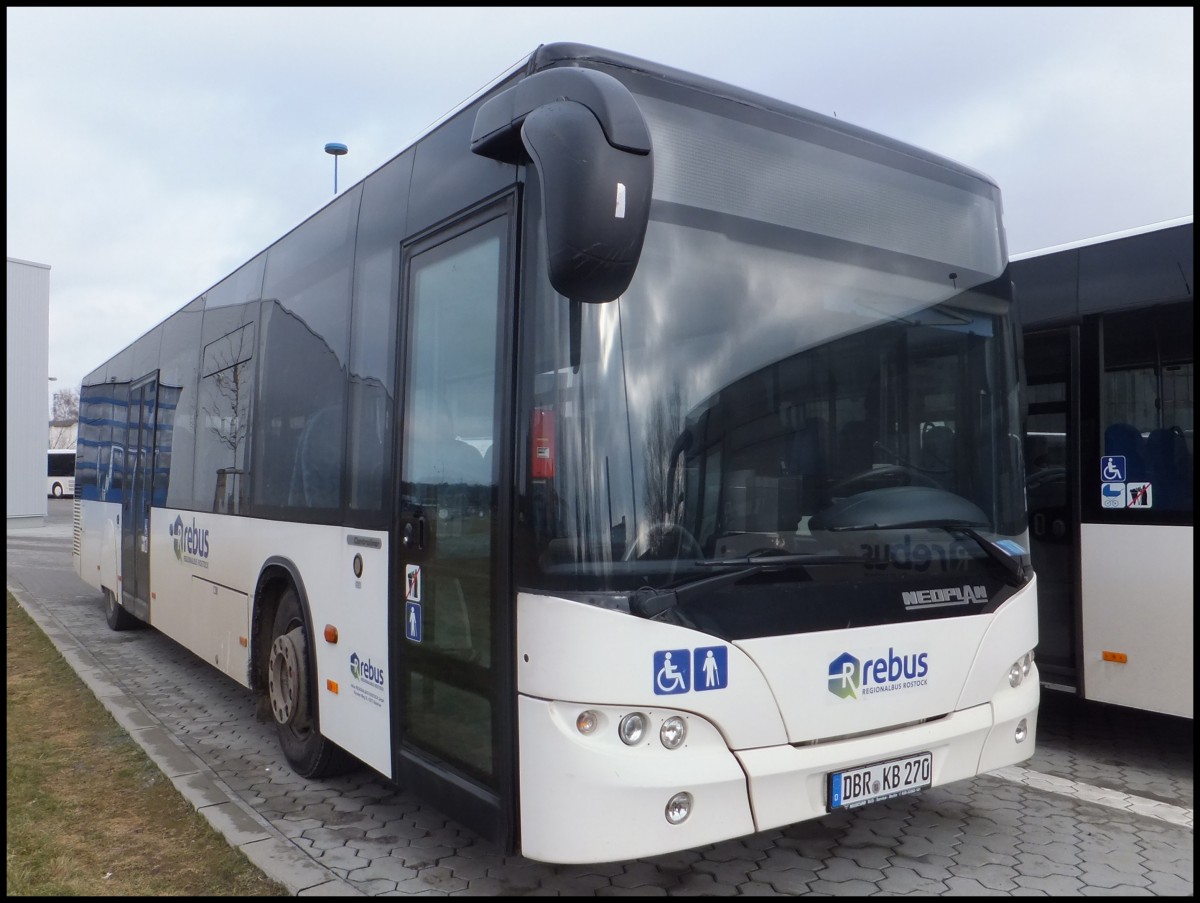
(1109, 357)
(60, 472)
(632, 463)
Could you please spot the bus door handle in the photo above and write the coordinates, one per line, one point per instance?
(414, 534)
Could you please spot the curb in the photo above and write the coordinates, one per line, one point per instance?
(243, 828)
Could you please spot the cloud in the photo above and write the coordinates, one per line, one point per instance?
(152, 151)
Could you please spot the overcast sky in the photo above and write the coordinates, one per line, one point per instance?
(152, 151)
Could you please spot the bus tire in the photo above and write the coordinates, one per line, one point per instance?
(118, 618)
(291, 689)
(56, 490)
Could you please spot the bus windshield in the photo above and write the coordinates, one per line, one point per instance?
(822, 373)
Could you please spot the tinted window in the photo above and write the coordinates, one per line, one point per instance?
(299, 450)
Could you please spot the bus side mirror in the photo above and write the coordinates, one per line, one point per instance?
(584, 132)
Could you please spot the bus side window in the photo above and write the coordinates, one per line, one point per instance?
(1124, 440)
(1169, 468)
(317, 471)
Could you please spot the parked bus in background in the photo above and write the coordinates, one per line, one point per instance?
(632, 463)
(60, 472)
(1109, 357)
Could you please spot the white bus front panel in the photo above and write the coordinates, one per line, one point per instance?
(762, 738)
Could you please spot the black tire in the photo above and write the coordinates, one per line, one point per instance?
(57, 490)
(291, 689)
(118, 618)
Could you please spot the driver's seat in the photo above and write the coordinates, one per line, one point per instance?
(937, 450)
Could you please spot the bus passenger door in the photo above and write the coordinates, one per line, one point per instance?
(1051, 475)
(450, 615)
(135, 496)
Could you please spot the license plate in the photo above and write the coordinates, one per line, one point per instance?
(870, 783)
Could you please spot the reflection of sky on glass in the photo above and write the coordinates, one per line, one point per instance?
(773, 178)
(791, 261)
(705, 309)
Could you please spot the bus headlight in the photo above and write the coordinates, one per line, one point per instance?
(633, 728)
(679, 807)
(1014, 674)
(673, 732)
(587, 722)
(1020, 669)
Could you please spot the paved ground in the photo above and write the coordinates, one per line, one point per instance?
(1104, 807)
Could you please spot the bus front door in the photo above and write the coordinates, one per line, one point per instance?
(1051, 466)
(450, 613)
(136, 496)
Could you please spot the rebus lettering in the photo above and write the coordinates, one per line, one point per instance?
(896, 667)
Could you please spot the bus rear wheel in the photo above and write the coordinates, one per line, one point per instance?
(57, 490)
(291, 690)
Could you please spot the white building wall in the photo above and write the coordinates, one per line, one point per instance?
(28, 413)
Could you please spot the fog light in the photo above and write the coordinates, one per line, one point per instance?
(633, 728)
(1022, 731)
(673, 732)
(587, 722)
(679, 807)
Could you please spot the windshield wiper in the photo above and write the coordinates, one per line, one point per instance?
(996, 552)
(768, 556)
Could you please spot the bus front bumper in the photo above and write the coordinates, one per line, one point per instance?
(594, 798)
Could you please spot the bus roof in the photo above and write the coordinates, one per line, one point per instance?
(1100, 239)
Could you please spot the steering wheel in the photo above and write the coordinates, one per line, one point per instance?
(666, 542)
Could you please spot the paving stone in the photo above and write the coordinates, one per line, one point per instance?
(1090, 813)
(786, 881)
(899, 880)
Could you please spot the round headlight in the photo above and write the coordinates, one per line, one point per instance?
(633, 728)
(673, 732)
(1015, 675)
(587, 722)
(679, 807)
(1026, 664)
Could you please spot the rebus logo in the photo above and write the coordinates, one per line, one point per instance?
(844, 674)
(190, 542)
(364, 669)
(850, 679)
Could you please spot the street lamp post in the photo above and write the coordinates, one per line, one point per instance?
(336, 150)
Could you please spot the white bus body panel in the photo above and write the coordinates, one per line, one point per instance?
(1137, 599)
(569, 651)
(905, 672)
(97, 548)
(202, 598)
(592, 798)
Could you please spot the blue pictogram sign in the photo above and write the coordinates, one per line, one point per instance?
(681, 670)
(1112, 469)
(412, 621)
(710, 668)
(671, 670)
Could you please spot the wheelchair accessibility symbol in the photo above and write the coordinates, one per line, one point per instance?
(1112, 469)
(671, 670)
(675, 673)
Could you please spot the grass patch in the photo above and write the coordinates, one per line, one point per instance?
(89, 814)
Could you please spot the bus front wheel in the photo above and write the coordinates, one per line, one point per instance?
(291, 688)
(57, 490)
